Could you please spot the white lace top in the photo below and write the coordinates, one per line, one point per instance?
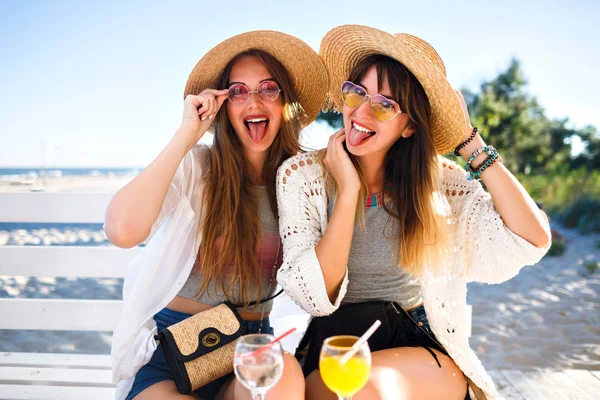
(483, 249)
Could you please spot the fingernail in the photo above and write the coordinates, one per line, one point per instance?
(210, 117)
(203, 118)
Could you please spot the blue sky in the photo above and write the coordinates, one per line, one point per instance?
(87, 83)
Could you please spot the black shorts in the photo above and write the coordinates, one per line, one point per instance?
(398, 328)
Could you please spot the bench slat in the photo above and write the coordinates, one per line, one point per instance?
(63, 376)
(65, 207)
(59, 314)
(55, 360)
(28, 392)
(69, 261)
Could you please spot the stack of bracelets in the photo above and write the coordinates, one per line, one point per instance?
(492, 157)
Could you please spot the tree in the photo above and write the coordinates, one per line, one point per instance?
(514, 122)
(331, 118)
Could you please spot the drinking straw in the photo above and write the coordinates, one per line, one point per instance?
(362, 340)
(268, 345)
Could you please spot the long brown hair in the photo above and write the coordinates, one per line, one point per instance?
(229, 198)
(411, 169)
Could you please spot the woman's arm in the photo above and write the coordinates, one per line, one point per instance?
(516, 207)
(302, 204)
(134, 209)
(333, 249)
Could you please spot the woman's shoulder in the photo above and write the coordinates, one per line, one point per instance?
(199, 153)
(191, 171)
(194, 162)
(303, 164)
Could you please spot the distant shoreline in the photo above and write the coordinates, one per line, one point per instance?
(89, 180)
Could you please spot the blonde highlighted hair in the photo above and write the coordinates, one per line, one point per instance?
(231, 230)
(412, 172)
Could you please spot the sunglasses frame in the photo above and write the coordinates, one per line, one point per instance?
(371, 97)
(250, 92)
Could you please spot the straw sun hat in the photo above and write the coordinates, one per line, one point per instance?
(308, 74)
(344, 46)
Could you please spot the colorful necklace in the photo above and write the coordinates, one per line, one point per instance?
(380, 199)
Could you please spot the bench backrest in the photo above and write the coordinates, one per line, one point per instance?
(59, 261)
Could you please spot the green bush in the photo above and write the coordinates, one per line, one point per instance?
(591, 267)
(557, 248)
(583, 214)
(571, 197)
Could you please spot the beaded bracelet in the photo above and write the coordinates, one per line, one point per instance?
(494, 151)
(466, 142)
(492, 158)
(476, 173)
(487, 149)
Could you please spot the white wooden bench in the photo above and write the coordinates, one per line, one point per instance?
(72, 376)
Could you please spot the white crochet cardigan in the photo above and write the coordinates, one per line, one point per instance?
(483, 249)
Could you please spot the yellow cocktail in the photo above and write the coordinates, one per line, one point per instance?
(344, 380)
(348, 378)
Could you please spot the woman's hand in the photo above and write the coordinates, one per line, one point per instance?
(199, 112)
(463, 103)
(339, 164)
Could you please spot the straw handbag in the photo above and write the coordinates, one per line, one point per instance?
(200, 348)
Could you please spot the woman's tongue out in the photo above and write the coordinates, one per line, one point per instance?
(257, 127)
(358, 137)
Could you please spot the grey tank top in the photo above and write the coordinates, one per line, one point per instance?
(372, 270)
(266, 255)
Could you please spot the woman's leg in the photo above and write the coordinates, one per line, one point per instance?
(402, 373)
(290, 386)
(165, 390)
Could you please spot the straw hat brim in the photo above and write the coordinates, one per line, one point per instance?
(344, 46)
(308, 74)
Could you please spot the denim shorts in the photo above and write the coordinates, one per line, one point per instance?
(157, 370)
(398, 328)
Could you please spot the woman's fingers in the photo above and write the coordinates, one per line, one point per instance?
(220, 100)
(214, 92)
(202, 112)
(207, 103)
(212, 105)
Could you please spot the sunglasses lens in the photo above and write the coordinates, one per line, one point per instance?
(383, 108)
(238, 93)
(352, 94)
(268, 91)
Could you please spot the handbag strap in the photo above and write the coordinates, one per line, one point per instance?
(255, 302)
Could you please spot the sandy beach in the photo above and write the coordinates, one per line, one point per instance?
(546, 317)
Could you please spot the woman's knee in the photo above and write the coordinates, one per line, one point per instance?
(292, 377)
(412, 372)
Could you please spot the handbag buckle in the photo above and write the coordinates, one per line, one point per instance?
(211, 340)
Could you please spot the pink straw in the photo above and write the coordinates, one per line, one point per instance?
(268, 345)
